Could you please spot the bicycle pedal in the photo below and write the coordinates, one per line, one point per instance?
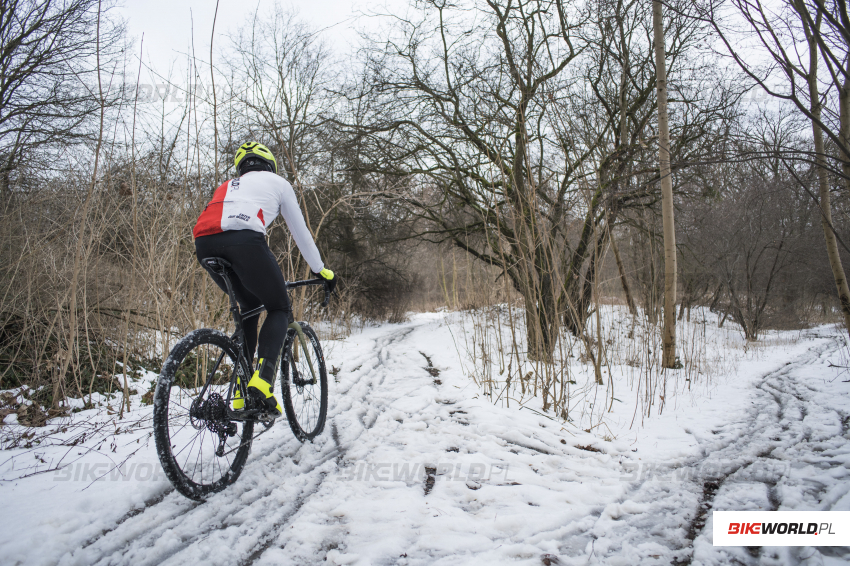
(269, 415)
(259, 415)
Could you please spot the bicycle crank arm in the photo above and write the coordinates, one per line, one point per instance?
(256, 415)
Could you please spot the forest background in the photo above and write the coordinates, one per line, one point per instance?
(495, 156)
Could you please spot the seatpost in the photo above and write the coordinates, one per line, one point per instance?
(234, 307)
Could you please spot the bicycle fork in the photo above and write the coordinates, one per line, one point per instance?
(303, 339)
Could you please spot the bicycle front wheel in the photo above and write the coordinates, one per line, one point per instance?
(201, 450)
(304, 384)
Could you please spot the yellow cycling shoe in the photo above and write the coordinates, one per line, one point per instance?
(260, 389)
(238, 401)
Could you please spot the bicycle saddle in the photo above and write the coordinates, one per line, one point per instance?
(218, 264)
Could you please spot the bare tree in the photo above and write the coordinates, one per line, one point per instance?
(48, 91)
(669, 333)
(465, 110)
(752, 240)
(800, 38)
(281, 73)
(282, 77)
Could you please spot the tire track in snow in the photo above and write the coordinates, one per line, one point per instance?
(341, 449)
(269, 456)
(183, 531)
(136, 539)
(663, 522)
(146, 506)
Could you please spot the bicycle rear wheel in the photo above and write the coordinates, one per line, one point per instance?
(305, 395)
(200, 449)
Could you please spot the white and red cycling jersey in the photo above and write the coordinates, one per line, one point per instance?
(252, 202)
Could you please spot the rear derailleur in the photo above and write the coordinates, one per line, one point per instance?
(212, 413)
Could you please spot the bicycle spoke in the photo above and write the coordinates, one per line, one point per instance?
(199, 380)
(305, 390)
(189, 454)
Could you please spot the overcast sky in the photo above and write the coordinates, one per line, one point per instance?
(167, 24)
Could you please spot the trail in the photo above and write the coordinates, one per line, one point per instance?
(790, 451)
(237, 525)
(414, 468)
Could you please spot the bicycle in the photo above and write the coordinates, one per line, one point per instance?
(196, 406)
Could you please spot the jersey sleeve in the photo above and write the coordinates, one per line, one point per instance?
(291, 213)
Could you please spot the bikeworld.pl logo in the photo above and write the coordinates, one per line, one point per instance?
(90, 472)
(781, 528)
(412, 472)
(763, 471)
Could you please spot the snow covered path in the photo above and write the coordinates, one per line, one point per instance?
(790, 451)
(414, 468)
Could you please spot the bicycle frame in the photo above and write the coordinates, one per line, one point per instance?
(223, 269)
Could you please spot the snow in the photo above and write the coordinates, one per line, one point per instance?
(768, 429)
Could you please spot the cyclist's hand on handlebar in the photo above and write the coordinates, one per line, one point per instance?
(330, 278)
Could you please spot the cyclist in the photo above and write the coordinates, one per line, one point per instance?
(233, 227)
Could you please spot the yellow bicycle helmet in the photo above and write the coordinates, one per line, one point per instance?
(255, 150)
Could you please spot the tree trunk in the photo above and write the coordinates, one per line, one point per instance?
(5, 173)
(541, 317)
(669, 332)
(5, 188)
(624, 138)
(625, 282)
(844, 133)
(823, 180)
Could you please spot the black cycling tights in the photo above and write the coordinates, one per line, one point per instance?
(258, 282)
